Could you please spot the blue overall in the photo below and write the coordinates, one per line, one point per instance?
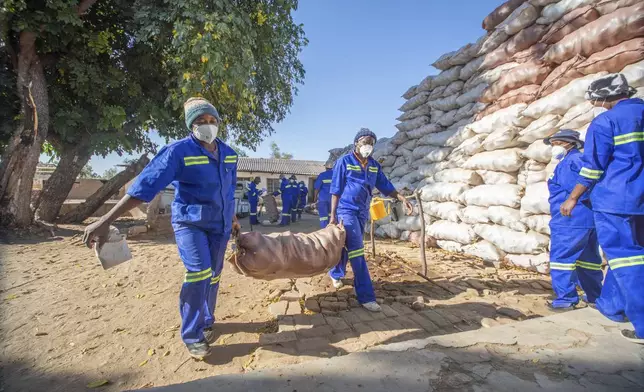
(253, 199)
(614, 164)
(354, 184)
(574, 250)
(202, 216)
(294, 200)
(285, 193)
(303, 193)
(323, 186)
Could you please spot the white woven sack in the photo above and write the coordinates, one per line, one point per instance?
(528, 177)
(410, 92)
(554, 12)
(539, 151)
(491, 177)
(540, 128)
(473, 145)
(459, 175)
(538, 262)
(506, 216)
(450, 246)
(512, 241)
(426, 84)
(525, 15)
(508, 160)
(504, 137)
(488, 77)
(580, 115)
(443, 192)
(563, 99)
(471, 95)
(410, 223)
(535, 201)
(437, 155)
(447, 211)
(484, 250)
(474, 214)
(471, 68)
(450, 231)
(494, 195)
(634, 74)
(538, 223)
(501, 118)
(424, 130)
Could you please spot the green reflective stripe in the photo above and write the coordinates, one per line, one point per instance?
(629, 138)
(197, 276)
(324, 219)
(562, 266)
(592, 174)
(373, 169)
(288, 186)
(215, 279)
(626, 262)
(253, 213)
(354, 168)
(590, 266)
(356, 253)
(326, 181)
(230, 159)
(196, 160)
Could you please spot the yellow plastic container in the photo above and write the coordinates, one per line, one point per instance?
(377, 209)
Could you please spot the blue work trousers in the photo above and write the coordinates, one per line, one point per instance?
(294, 207)
(253, 210)
(354, 253)
(622, 239)
(324, 210)
(202, 253)
(286, 210)
(574, 260)
(300, 207)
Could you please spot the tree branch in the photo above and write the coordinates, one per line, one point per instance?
(84, 6)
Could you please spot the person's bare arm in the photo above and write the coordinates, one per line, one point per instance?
(404, 200)
(567, 206)
(97, 232)
(334, 207)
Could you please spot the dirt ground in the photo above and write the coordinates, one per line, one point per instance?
(68, 325)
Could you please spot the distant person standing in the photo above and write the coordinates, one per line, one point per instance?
(203, 170)
(285, 193)
(613, 166)
(355, 176)
(253, 199)
(574, 250)
(294, 197)
(323, 194)
(303, 192)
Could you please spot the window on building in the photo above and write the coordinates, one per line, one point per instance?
(272, 185)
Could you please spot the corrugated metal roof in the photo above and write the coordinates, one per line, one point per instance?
(280, 166)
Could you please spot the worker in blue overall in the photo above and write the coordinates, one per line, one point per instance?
(613, 166)
(253, 199)
(294, 197)
(203, 171)
(574, 250)
(322, 196)
(285, 193)
(303, 192)
(355, 176)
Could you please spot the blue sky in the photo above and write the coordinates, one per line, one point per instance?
(362, 55)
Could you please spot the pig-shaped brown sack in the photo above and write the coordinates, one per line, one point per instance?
(287, 255)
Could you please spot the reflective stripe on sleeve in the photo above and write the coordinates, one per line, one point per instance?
(196, 160)
(626, 262)
(373, 169)
(592, 174)
(326, 181)
(354, 168)
(629, 138)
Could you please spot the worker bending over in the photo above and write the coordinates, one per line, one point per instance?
(355, 176)
(323, 193)
(574, 250)
(613, 166)
(203, 171)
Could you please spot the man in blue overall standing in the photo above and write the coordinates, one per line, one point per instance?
(355, 176)
(285, 193)
(303, 192)
(323, 194)
(203, 171)
(295, 198)
(613, 165)
(253, 199)
(574, 250)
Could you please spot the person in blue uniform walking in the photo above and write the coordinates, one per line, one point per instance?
(285, 193)
(322, 196)
(203, 170)
(574, 250)
(253, 199)
(613, 166)
(355, 176)
(294, 197)
(303, 192)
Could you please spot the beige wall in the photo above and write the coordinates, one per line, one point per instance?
(84, 188)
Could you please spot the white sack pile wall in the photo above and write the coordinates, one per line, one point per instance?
(471, 137)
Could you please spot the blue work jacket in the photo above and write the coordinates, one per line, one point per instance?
(354, 184)
(613, 159)
(253, 193)
(303, 192)
(323, 185)
(204, 183)
(560, 184)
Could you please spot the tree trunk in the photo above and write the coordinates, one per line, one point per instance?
(19, 162)
(73, 158)
(95, 201)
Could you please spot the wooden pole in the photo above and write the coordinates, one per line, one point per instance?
(423, 257)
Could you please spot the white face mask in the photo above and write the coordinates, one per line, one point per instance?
(559, 152)
(206, 132)
(366, 150)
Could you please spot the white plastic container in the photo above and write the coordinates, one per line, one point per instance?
(113, 252)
